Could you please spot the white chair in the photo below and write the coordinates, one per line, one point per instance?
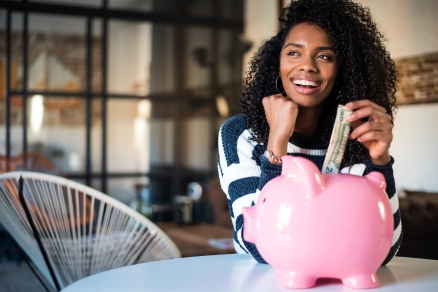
(81, 230)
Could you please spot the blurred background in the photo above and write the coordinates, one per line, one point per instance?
(127, 96)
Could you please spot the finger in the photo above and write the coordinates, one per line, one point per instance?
(368, 112)
(277, 96)
(353, 105)
(383, 137)
(267, 100)
(370, 127)
(272, 98)
(356, 124)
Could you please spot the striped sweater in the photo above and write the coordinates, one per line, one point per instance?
(243, 171)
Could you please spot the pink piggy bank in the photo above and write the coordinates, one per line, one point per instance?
(309, 225)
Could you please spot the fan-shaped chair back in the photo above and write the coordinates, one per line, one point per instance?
(82, 231)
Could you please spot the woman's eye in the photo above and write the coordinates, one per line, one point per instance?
(324, 57)
(292, 53)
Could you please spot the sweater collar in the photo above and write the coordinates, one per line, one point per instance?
(307, 142)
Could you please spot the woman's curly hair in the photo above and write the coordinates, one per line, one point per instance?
(366, 70)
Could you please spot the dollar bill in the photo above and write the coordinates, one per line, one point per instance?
(338, 141)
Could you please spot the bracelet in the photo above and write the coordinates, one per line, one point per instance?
(274, 159)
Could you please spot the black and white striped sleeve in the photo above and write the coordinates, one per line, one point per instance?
(387, 172)
(243, 171)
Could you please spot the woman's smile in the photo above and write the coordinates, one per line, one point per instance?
(305, 84)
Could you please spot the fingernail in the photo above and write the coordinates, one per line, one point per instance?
(348, 118)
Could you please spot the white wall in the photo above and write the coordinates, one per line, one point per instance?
(410, 27)
(261, 23)
(415, 147)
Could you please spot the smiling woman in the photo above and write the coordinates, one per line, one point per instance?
(328, 53)
(308, 68)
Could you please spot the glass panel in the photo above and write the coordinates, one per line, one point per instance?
(124, 189)
(96, 183)
(231, 9)
(17, 51)
(96, 70)
(3, 16)
(72, 2)
(135, 50)
(16, 125)
(130, 190)
(226, 58)
(129, 57)
(96, 135)
(57, 53)
(2, 81)
(2, 128)
(144, 5)
(198, 56)
(79, 180)
(162, 81)
(229, 77)
(161, 187)
(162, 133)
(16, 114)
(197, 137)
(56, 131)
(199, 7)
(131, 125)
(166, 6)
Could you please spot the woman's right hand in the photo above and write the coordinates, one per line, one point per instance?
(281, 114)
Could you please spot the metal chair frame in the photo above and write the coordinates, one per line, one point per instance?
(71, 231)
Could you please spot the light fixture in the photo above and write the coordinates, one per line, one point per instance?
(36, 113)
(144, 108)
(222, 106)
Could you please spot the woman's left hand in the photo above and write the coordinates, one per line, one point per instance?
(376, 133)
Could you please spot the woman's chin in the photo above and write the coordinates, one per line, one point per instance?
(306, 102)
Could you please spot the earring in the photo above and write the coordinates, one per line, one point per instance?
(276, 85)
(339, 94)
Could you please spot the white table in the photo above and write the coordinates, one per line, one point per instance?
(241, 273)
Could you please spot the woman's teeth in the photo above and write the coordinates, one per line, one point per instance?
(305, 83)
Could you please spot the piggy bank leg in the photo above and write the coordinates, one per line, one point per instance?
(364, 281)
(297, 280)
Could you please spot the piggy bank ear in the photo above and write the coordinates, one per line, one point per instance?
(377, 178)
(306, 171)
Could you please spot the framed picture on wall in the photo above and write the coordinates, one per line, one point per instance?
(418, 77)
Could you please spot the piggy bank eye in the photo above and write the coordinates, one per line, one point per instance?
(264, 200)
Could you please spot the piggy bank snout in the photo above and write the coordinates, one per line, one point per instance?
(250, 219)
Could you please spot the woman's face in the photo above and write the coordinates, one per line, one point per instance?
(308, 65)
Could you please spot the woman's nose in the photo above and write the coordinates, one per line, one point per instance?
(308, 64)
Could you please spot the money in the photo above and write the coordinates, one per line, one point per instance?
(338, 141)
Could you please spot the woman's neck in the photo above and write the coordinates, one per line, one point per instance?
(307, 120)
